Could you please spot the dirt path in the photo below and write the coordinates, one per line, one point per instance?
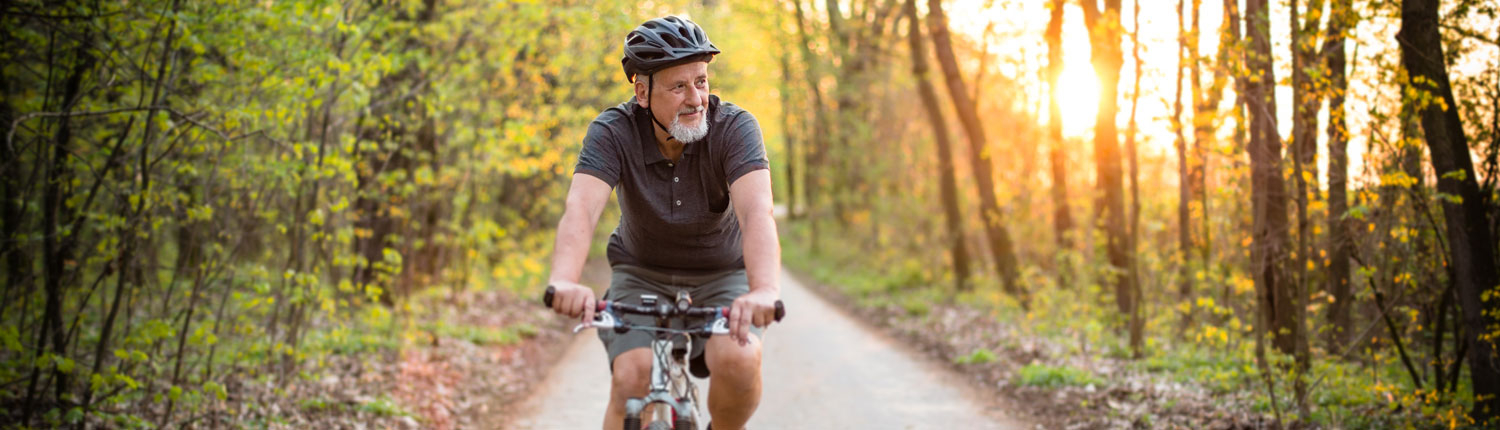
(822, 370)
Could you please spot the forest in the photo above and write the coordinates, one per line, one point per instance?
(1216, 213)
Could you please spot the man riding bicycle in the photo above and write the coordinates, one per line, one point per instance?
(694, 189)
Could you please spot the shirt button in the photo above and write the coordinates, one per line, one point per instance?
(674, 179)
(679, 203)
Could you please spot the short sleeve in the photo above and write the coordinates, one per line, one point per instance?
(746, 152)
(600, 156)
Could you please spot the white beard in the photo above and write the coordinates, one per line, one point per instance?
(689, 133)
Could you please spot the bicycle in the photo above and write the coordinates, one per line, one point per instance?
(670, 385)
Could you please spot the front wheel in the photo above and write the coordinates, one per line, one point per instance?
(685, 424)
(632, 422)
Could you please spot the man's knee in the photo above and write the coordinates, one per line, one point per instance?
(726, 357)
(632, 374)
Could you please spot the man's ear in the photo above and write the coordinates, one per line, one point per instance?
(640, 93)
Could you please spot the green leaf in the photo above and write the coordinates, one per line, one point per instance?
(216, 389)
(10, 338)
(127, 380)
(65, 365)
(96, 382)
(74, 415)
(1456, 174)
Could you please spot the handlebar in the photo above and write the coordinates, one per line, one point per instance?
(663, 310)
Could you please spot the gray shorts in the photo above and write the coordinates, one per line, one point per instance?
(629, 282)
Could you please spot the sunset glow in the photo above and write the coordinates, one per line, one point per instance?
(1078, 99)
(1078, 86)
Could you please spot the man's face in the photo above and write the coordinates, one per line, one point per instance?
(680, 100)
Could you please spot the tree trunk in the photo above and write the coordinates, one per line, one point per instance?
(1104, 37)
(1206, 119)
(1184, 188)
(1469, 237)
(1232, 52)
(1062, 220)
(949, 185)
(1133, 229)
(121, 271)
(1268, 195)
(846, 115)
(18, 263)
(1306, 102)
(57, 248)
(1340, 243)
(816, 153)
(395, 106)
(791, 160)
(1205, 101)
(999, 237)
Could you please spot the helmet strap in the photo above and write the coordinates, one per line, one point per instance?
(650, 87)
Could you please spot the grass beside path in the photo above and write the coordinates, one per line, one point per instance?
(1063, 365)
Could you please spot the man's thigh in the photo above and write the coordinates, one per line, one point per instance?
(627, 287)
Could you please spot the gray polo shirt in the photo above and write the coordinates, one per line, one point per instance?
(674, 217)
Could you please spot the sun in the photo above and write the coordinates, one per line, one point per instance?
(1078, 98)
(1078, 86)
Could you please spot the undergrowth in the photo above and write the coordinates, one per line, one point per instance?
(1214, 351)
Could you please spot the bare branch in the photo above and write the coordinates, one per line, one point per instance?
(10, 137)
(1471, 34)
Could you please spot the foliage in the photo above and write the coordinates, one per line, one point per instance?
(194, 195)
(979, 356)
(1037, 375)
(199, 194)
(887, 248)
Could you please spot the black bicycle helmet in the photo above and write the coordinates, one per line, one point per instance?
(665, 42)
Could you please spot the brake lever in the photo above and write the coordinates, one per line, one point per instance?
(720, 325)
(601, 320)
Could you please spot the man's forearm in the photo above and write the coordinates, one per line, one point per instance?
(574, 234)
(762, 252)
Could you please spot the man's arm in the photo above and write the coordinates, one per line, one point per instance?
(586, 199)
(751, 196)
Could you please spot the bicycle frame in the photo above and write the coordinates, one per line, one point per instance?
(670, 386)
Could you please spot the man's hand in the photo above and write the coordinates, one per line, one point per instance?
(573, 300)
(756, 308)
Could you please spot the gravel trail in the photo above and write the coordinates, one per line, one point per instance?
(822, 370)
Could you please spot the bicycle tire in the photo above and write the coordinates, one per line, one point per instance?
(632, 423)
(685, 424)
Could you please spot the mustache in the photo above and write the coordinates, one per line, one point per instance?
(691, 110)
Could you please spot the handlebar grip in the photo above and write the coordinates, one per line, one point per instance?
(780, 311)
(552, 291)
